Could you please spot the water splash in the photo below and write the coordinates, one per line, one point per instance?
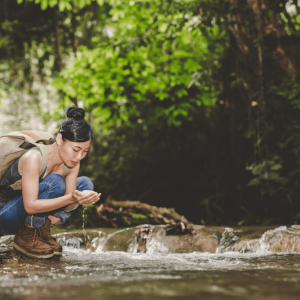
(70, 242)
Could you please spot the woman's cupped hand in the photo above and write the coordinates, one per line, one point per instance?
(85, 197)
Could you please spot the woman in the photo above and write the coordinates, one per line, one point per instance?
(50, 198)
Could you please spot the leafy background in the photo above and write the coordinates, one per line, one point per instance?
(194, 103)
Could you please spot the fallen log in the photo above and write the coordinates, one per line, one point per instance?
(131, 213)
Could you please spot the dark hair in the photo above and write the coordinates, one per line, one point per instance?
(75, 128)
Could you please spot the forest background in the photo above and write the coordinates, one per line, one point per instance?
(194, 103)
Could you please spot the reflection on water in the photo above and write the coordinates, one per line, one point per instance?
(112, 275)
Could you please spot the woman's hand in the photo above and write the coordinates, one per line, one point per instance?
(85, 197)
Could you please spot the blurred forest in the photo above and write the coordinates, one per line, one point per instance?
(194, 103)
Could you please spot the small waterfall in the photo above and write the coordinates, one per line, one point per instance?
(154, 239)
(280, 239)
(97, 243)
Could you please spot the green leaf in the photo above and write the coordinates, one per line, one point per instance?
(52, 3)
(81, 3)
(163, 27)
(276, 167)
(68, 6)
(44, 4)
(61, 5)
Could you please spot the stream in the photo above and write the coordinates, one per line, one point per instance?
(91, 273)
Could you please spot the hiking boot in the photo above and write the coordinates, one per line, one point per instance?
(29, 242)
(49, 239)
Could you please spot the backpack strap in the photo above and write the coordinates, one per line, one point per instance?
(45, 155)
(47, 142)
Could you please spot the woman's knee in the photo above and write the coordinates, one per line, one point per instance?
(56, 184)
(84, 183)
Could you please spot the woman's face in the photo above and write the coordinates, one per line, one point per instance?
(72, 152)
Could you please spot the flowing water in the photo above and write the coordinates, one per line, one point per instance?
(83, 274)
(84, 220)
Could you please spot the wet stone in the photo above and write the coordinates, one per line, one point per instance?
(4, 249)
(229, 238)
(6, 239)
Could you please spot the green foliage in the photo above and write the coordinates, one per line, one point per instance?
(266, 175)
(29, 61)
(62, 4)
(155, 60)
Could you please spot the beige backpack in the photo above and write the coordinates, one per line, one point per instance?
(15, 144)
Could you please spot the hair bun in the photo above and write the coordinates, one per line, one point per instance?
(75, 113)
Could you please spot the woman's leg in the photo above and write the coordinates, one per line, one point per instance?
(13, 214)
(83, 183)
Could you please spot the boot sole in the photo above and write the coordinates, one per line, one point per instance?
(24, 251)
(57, 253)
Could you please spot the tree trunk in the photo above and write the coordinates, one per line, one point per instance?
(255, 24)
(58, 46)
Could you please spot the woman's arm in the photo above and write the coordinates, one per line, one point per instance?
(30, 187)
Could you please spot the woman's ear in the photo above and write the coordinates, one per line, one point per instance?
(59, 139)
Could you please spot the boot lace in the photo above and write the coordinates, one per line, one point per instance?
(48, 227)
(37, 237)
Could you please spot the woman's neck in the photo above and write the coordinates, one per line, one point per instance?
(54, 159)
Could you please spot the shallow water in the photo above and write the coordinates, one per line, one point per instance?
(119, 275)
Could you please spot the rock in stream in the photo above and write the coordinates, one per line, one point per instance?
(179, 238)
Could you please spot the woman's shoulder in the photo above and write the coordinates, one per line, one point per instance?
(33, 155)
(31, 160)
